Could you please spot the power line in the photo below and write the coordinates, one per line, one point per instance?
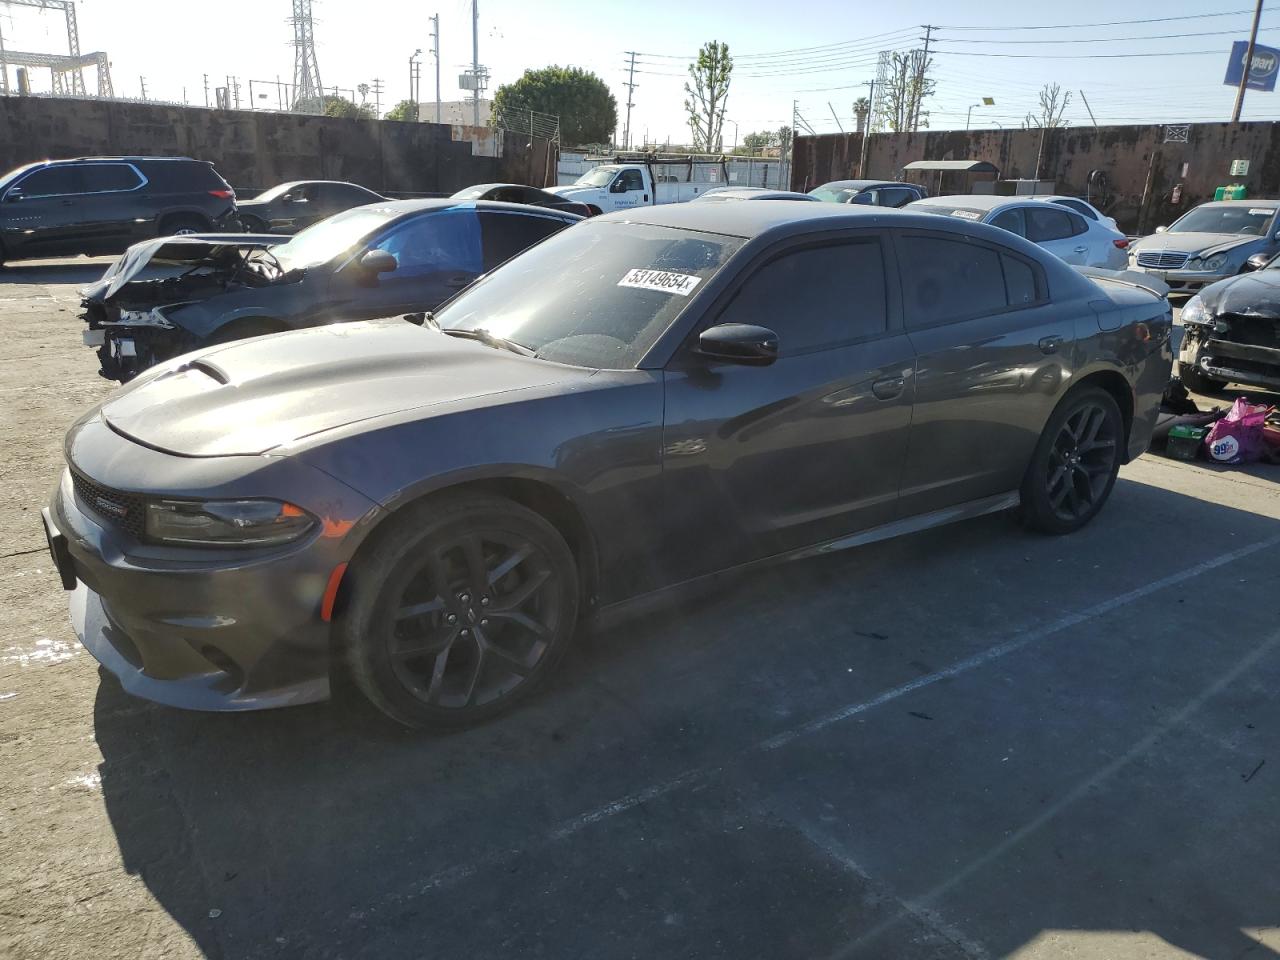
(1109, 23)
(1161, 36)
(1079, 56)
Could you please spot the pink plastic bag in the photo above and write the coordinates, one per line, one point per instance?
(1237, 437)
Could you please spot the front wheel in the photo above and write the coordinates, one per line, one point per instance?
(461, 610)
(1075, 462)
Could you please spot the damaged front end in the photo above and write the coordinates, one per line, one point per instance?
(1232, 347)
(131, 319)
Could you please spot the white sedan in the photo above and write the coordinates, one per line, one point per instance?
(1082, 207)
(1061, 231)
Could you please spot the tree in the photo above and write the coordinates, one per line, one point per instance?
(332, 105)
(708, 95)
(757, 142)
(404, 110)
(1053, 104)
(783, 137)
(587, 110)
(905, 90)
(861, 112)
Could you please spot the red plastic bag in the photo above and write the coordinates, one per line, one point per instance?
(1237, 437)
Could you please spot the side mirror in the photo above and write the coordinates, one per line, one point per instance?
(1161, 229)
(739, 343)
(1257, 261)
(14, 195)
(378, 261)
(618, 186)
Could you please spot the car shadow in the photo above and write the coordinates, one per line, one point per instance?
(326, 831)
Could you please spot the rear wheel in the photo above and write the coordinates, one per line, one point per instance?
(181, 225)
(1075, 462)
(252, 224)
(460, 611)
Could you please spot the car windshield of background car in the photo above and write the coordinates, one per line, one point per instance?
(1244, 219)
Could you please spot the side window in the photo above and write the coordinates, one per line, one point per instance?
(310, 192)
(104, 177)
(816, 297)
(1079, 225)
(896, 197)
(506, 234)
(435, 243)
(867, 197)
(1019, 281)
(52, 182)
(1047, 223)
(1081, 208)
(945, 279)
(632, 180)
(1010, 220)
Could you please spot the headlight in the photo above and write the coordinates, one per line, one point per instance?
(147, 318)
(1195, 313)
(230, 523)
(1208, 264)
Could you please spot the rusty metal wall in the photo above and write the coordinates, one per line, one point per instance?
(1151, 179)
(262, 149)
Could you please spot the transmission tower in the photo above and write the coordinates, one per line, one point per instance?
(878, 104)
(308, 92)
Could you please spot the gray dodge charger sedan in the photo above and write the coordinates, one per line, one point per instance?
(433, 503)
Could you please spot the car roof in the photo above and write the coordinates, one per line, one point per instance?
(862, 184)
(401, 208)
(757, 193)
(133, 159)
(1256, 202)
(975, 201)
(778, 217)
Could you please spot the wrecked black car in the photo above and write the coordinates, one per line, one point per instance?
(1232, 333)
(290, 207)
(168, 296)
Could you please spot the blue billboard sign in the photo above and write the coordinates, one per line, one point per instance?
(1262, 72)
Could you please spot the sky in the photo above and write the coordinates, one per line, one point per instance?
(818, 56)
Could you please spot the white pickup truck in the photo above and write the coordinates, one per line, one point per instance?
(619, 186)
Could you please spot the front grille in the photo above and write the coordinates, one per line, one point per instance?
(123, 510)
(1162, 259)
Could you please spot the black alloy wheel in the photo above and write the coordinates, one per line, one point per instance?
(461, 619)
(1076, 462)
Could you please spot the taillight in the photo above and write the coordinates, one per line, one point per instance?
(227, 194)
(1121, 243)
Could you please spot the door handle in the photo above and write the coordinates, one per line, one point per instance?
(68, 203)
(889, 387)
(1082, 249)
(457, 281)
(1050, 344)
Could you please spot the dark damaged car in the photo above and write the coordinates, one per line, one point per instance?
(642, 402)
(169, 296)
(1232, 333)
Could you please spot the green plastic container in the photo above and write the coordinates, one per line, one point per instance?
(1220, 193)
(1184, 441)
(1237, 191)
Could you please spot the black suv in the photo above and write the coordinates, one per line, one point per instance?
(96, 205)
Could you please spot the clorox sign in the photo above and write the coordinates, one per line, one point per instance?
(1262, 69)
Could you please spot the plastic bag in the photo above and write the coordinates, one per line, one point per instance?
(1237, 437)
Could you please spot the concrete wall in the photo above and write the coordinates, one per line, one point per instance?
(257, 150)
(1151, 181)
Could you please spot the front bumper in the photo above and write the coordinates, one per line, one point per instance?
(1244, 363)
(203, 629)
(1183, 281)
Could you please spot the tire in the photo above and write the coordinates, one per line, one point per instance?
(182, 224)
(1075, 463)
(244, 329)
(492, 593)
(1197, 382)
(252, 224)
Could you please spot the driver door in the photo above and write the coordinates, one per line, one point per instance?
(628, 190)
(437, 254)
(759, 461)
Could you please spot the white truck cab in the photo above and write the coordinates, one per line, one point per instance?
(621, 184)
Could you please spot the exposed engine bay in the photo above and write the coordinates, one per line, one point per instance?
(130, 320)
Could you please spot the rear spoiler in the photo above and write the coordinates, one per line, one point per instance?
(1130, 278)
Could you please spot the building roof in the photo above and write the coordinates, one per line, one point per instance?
(969, 166)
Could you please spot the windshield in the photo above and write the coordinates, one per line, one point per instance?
(278, 190)
(471, 193)
(833, 196)
(598, 295)
(1243, 219)
(599, 177)
(328, 238)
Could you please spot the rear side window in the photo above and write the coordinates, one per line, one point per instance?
(435, 243)
(944, 280)
(182, 176)
(816, 297)
(105, 177)
(1010, 220)
(1019, 281)
(896, 197)
(1081, 208)
(1047, 223)
(52, 182)
(506, 234)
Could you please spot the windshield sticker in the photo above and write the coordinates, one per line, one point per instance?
(1260, 211)
(681, 284)
(967, 214)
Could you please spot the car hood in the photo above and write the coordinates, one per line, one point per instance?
(254, 396)
(572, 189)
(185, 251)
(1249, 295)
(1202, 244)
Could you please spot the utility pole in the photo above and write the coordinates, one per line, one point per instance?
(206, 91)
(1089, 108)
(866, 133)
(142, 82)
(631, 88)
(1248, 64)
(413, 83)
(435, 49)
(791, 159)
(377, 96)
(475, 61)
(834, 117)
(917, 96)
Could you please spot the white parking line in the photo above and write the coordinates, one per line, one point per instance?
(699, 775)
